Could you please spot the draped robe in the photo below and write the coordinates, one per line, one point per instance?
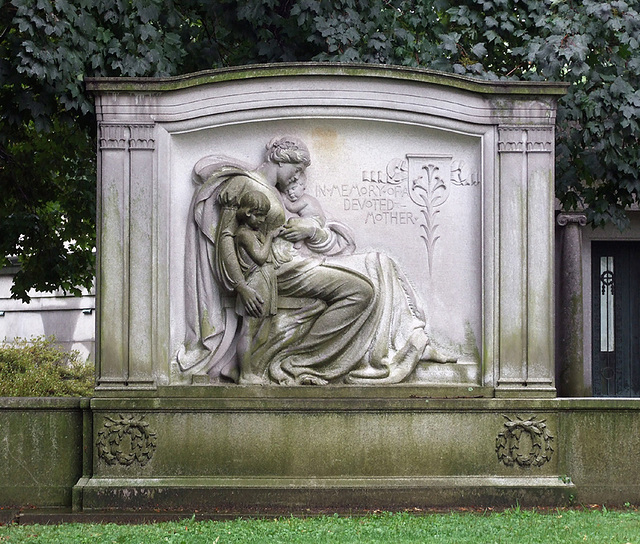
(341, 318)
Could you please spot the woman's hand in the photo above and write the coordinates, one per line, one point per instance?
(301, 229)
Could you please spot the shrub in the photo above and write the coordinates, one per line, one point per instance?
(38, 367)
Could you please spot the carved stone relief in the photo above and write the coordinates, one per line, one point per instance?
(529, 139)
(525, 442)
(278, 293)
(126, 439)
(428, 179)
(127, 136)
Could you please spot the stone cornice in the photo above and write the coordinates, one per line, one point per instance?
(421, 75)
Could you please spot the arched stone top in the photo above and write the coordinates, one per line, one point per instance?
(336, 90)
(388, 72)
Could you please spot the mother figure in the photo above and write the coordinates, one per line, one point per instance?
(335, 318)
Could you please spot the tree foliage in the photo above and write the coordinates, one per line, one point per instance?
(47, 130)
(49, 46)
(593, 45)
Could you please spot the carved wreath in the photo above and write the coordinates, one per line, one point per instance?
(509, 443)
(126, 439)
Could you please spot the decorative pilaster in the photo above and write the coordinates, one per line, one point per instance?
(113, 231)
(141, 256)
(525, 285)
(126, 173)
(570, 307)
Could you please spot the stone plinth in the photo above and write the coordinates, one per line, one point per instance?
(362, 448)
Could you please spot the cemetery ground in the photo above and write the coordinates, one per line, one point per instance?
(593, 523)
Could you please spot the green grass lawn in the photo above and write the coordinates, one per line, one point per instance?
(517, 526)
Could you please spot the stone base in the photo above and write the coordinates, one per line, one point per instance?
(277, 495)
(262, 449)
(223, 451)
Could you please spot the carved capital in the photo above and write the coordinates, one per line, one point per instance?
(114, 136)
(127, 137)
(141, 137)
(512, 140)
(540, 140)
(525, 140)
(571, 218)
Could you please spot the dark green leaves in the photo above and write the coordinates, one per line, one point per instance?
(48, 48)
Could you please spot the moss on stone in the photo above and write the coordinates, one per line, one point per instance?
(130, 84)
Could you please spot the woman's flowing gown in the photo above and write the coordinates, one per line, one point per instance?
(340, 319)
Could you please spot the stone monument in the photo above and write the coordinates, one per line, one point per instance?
(307, 269)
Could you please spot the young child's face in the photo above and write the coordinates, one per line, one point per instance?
(294, 191)
(256, 218)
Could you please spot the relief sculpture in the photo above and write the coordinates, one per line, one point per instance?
(429, 179)
(276, 293)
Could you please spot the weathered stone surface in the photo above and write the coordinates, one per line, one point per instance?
(249, 452)
(41, 452)
(603, 441)
(450, 180)
(402, 452)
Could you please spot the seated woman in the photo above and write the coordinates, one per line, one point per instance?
(355, 317)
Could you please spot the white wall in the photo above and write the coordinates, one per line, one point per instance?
(70, 319)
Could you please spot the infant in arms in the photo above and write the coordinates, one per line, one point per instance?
(303, 205)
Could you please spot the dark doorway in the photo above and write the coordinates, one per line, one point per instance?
(616, 318)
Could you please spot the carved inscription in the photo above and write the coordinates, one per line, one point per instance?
(126, 439)
(409, 191)
(525, 442)
(382, 204)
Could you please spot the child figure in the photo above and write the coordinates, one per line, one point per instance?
(253, 249)
(299, 202)
(304, 206)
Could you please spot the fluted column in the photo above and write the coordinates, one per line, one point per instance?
(525, 307)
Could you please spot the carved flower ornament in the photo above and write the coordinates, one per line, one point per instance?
(125, 439)
(526, 442)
